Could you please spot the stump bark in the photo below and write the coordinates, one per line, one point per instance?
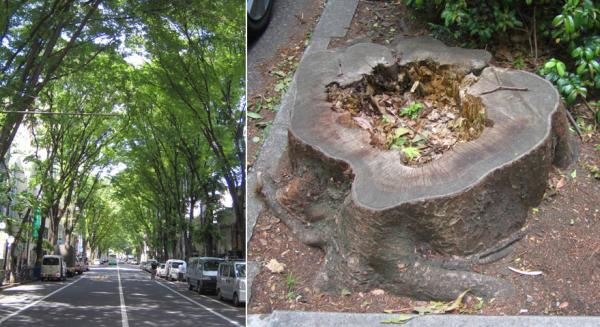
(417, 231)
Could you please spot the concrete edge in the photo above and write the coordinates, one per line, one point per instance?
(301, 319)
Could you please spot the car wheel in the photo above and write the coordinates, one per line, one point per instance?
(259, 15)
(219, 296)
(236, 300)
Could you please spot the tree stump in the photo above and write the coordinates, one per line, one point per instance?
(417, 231)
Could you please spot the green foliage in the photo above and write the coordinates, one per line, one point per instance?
(569, 84)
(412, 110)
(576, 29)
(411, 152)
(469, 21)
(290, 283)
(573, 25)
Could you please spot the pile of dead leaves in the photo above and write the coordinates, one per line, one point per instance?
(417, 109)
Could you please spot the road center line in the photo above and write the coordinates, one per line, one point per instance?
(124, 319)
(38, 301)
(200, 305)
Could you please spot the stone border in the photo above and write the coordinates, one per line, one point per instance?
(309, 319)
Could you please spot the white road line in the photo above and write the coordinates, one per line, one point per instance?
(124, 319)
(211, 299)
(200, 305)
(38, 301)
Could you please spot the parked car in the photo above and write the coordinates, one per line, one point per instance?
(175, 269)
(53, 267)
(77, 267)
(85, 263)
(161, 271)
(231, 281)
(97, 262)
(202, 274)
(259, 15)
(134, 262)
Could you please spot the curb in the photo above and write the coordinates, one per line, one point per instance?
(301, 319)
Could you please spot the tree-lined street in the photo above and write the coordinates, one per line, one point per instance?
(122, 130)
(114, 296)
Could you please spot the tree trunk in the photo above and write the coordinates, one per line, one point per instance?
(417, 231)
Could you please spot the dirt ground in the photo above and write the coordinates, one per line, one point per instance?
(276, 73)
(563, 238)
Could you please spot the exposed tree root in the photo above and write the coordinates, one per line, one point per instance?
(306, 234)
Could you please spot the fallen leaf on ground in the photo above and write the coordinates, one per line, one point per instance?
(525, 272)
(377, 292)
(402, 319)
(442, 307)
(275, 266)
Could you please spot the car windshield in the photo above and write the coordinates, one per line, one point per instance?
(50, 261)
(211, 266)
(175, 264)
(240, 270)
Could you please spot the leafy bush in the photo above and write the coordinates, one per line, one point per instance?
(576, 29)
(573, 25)
(476, 23)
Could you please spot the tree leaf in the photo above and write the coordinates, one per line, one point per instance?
(400, 320)
(253, 115)
(560, 68)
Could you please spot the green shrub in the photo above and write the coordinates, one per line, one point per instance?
(576, 29)
(571, 27)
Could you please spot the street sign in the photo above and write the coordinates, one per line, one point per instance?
(37, 221)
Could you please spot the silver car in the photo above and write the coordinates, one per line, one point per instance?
(231, 282)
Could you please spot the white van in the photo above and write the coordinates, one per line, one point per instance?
(202, 274)
(53, 267)
(231, 281)
(175, 269)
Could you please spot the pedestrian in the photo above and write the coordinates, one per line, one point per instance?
(153, 272)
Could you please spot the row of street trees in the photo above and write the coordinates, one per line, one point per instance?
(129, 155)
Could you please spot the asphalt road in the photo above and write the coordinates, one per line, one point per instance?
(282, 27)
(111, 296)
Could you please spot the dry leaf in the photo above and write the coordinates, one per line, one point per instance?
(377, 292)
(276, 266)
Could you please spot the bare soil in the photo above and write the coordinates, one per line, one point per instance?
(277, 70)
(562, 239)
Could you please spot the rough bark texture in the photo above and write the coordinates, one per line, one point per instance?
(417, 230)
